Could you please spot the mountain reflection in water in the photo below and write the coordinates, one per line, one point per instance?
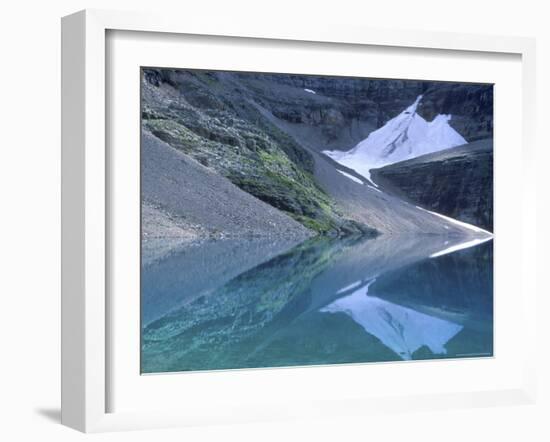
(325, 301)
(399, 328)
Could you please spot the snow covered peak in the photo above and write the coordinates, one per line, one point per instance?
(412, 108)
(405, 136)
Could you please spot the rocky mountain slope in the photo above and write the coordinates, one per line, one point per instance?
(265, 134)
(339, 112)
(188, 197)
(205, 117)
(455, 182)
(387, 212)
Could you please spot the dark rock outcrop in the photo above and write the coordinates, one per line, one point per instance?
(345, 110)
(455, 182)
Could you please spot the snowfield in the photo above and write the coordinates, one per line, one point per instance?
(351, 177)
(457, 222)
(404, 137)
(461, 246)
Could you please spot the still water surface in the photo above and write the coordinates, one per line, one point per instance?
(326, 301)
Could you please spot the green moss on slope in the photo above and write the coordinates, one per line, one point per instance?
(213, 123)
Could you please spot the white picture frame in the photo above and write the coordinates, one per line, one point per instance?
(86, 208)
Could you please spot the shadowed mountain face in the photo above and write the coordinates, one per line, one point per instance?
(209, 118)
(456, 182)
(265, 134)
(339, 112)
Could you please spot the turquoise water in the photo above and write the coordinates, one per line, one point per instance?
(326, 301)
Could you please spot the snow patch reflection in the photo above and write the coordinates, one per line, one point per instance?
(401, 329)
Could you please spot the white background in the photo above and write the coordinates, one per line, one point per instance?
(212, 392)
(29, 186)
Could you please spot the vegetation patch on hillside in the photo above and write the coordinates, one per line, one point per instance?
(212, 122)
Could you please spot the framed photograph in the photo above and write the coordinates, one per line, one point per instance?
(262, 222)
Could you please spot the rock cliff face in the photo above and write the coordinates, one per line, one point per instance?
(210, 118)
(456, 182)
(265, 133)
(346, 110)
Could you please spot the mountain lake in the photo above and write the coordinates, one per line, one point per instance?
(324, 301)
